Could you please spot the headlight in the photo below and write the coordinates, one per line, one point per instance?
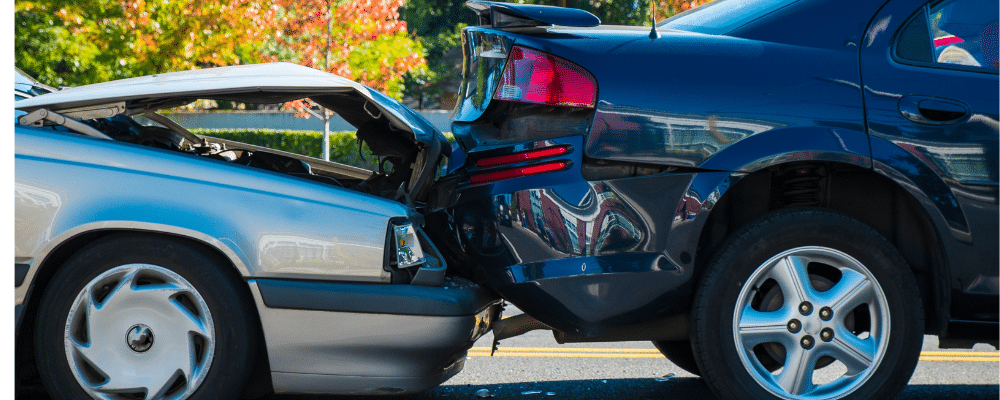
(408, 251)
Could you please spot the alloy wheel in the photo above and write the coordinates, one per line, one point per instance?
(847, 321)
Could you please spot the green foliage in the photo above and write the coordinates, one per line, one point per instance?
(63, 42)
(361, 40)
(55, 52)
(437, 25)
(373, 59)
(426, 18)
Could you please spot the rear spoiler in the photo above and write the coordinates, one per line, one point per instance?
(513, 15)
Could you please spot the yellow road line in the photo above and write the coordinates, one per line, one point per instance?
(976, 359)
(961, 353)
(571, 352)
(564, 355)
(568, 350)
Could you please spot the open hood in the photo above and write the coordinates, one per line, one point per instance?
(256, 83)
(381, 121)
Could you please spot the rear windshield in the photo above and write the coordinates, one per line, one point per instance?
(722, 16)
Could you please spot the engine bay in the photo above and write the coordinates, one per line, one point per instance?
(395, 156)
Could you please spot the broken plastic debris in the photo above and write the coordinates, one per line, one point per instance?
(665, 378)
(550, 393)
(483, 393)
(531, 392)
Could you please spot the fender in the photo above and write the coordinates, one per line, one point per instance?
(227, 249)
(843, 146)
(762, 150)
(784, 145)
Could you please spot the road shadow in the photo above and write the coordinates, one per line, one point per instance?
(963, 392)
(633, 389)
(623, 389)
(598, 389)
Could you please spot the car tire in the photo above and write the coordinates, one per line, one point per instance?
(811, 289)
(679, 352)
(146, 317)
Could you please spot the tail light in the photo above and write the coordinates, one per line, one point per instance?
(523, 156)
(517, 158)
(532, 76)
(490, 177)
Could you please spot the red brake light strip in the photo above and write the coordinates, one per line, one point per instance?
(512, 173)
(523, 156)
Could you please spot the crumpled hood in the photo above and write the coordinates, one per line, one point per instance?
(256, 83)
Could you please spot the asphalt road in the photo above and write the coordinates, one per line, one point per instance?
(534, 366)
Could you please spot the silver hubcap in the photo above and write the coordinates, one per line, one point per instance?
(811, 323)
(169, 335)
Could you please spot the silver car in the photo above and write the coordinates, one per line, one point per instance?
(154, 263)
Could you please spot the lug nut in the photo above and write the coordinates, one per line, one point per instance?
(806, 308)
(807, 342)
(826, 334)
(825, 313)
(794, 326)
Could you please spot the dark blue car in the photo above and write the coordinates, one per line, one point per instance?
(784, 196)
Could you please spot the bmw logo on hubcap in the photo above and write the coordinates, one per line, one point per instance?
(139, 338)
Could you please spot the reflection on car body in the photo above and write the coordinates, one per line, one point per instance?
(737, 177)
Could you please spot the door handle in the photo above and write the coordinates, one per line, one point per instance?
(927, 110)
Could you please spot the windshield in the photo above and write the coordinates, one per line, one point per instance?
(722, 16)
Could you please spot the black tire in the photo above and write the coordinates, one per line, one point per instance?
(749, 291)
(680, 353)
(186, 285)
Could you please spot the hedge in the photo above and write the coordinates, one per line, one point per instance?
(343, 145)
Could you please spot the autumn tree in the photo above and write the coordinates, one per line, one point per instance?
(668, 8)
(361, 40)
(63, 42)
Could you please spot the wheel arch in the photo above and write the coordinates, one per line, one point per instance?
(65, 249)
(853, 190)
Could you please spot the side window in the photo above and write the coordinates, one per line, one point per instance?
(960, 34)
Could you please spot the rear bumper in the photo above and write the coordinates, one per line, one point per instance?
(585, 257)
(588, 296)
(372, 339)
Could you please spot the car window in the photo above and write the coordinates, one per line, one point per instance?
(722, 16)
(960, 34)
